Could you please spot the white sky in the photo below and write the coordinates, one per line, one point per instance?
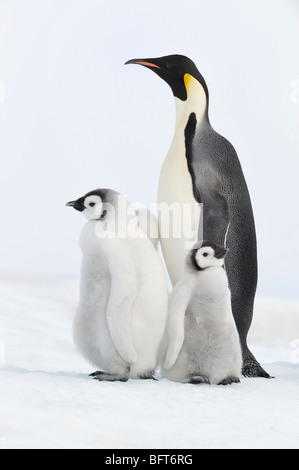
(74, 118)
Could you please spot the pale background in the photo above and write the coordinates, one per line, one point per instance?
(74, 118)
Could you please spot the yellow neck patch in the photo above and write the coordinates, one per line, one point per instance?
(188, 79)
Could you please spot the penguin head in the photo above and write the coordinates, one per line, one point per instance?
(206, 254)
(91, 205)
(176, 70)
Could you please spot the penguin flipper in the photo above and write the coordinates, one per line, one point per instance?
(175, 326)
(123, 292)
(207, 189)
(216, 217)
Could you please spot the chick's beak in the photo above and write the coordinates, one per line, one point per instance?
(75, 205)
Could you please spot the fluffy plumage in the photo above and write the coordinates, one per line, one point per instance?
(201, 342)
(122, 311)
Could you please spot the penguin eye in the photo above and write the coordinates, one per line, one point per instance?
(205, 254)
(169, 65)
(91, 204)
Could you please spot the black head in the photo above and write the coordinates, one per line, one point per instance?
(172, 69)
(78, 204)
(205, 254)
(92, 203)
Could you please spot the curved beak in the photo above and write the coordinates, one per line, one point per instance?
(144, 62)
(168, 72)
(76, 205)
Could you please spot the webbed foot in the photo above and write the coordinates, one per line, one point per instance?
(104, 376)
(148, 375)
(199, 379)
(229, 381)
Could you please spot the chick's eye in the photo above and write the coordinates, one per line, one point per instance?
(92, 204)
(205, 254)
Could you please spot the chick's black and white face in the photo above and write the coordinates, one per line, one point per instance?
(205, 257)
(93, 207)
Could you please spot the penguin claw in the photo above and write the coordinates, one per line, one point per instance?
(106, 377)
(229, 381)
(199, 379)
(110, 378)
(97, 372)
(151, 377)
(148, 375)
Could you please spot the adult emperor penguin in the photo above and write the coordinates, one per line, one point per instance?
(203, 167)
(201, 342)
(122, 310)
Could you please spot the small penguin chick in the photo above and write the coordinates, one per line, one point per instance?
(201, 343)
(205, 254)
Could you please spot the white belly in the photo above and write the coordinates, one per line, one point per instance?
(178, 211)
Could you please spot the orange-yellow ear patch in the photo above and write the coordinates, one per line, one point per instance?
(188, 80)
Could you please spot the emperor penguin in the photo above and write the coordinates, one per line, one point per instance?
(123, 302)
(201, 343)
(202, 168)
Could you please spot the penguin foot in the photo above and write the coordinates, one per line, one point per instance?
(229, 381)
(251, 367)
(104, 376)
(147, 375)
(199, 379)
(97, 372)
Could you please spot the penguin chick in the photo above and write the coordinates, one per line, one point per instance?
(201, 343)
(122, 309)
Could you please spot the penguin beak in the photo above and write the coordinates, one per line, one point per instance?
(76, 205)
(170, 72)
(145, 62)
(221, 253)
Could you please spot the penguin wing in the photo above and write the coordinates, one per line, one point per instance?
(123, 292)
(175, 326)
(208, 154)
(216, 217)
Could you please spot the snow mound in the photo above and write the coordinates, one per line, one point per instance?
(47, 399)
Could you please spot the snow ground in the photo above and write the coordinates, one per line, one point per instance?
(48, 401)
